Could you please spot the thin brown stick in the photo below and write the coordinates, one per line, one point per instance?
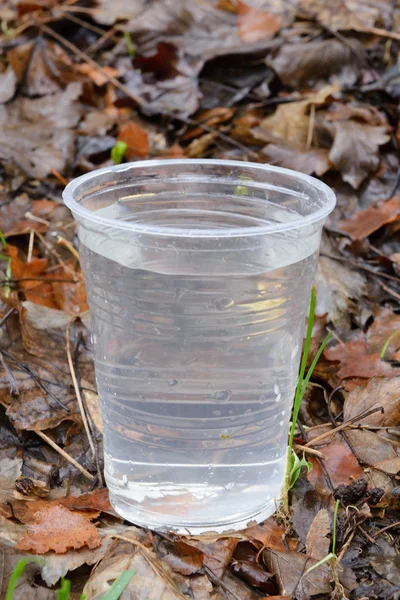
(77, 389)
(30, 248)
(380, 32)
(397, 524)
(65, 455)
(55, 253)
(309, 450)
(331, 432)
(67, 244)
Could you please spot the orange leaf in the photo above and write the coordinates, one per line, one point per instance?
(340, 464)
(255, 25)
(98, 78)
(270, 533)
(71, 297)
(35, 290)
(365, 222)
(136, 139)
(57, 528)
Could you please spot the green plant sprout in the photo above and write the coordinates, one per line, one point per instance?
(16, 574)
(129, 44)
(386, 344)
(294, 464)
(118, 152)
(119, 585)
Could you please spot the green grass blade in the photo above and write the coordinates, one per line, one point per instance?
(298, 396)
(314, 364)
(386, 344)
(334, 533)
(119, 585)
(129, 44)
(63, 592)
(16, 574)
(3, 240)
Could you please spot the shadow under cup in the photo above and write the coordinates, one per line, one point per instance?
(198, 275)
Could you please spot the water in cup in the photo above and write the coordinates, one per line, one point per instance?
(197, 358)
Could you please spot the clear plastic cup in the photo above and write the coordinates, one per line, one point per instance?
(198, 274)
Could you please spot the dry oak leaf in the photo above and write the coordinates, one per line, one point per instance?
(57, 528)
(365, 222)
(315, 160)
(318, 540)
(254, 24)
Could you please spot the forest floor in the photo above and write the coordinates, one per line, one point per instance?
(306, 84)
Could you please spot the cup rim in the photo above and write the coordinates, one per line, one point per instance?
(329, 200)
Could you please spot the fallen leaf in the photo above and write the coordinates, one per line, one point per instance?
(374, 450)
(136, 139)
(36, 134)
(57, 528)
(182, 558)
(107, 13)
(315, 160)
(318, 537)
(13, 217)
(386, 323)
(365, 222)
(340, 463)
(304, 64)
(290, 572)
(339, 288)
(27, 587)
(354, 151)
(378, 392)
(346, 14)
(355, 360)
(270, 533)
(218, 554)
(305, 508)
(96, 76)
(71, 295)
(254, 24)
(246, 567)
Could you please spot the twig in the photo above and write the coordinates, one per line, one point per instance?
(30, 248)
(397, 524)
(77, 389)
(388, 289)
(380, 32)
(327, 434)
(309, 450)
(7, 315)
(54, 252)
(31, 217)
(64, 454)
(67, 244)
(354, 263)
(310, 132)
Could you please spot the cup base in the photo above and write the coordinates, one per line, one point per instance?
(137, 516)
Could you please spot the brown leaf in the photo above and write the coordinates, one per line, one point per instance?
(302, 65)
(318, 537)
(98, 78)
(183, 558)
(340, 463)
(290, 568)
(378, 392)
(386, 323)
(136, 139)
(13, 220)
(270, 533)
(355, 149)
(355, 360)
(36, 134)
(71, 295)
(365, 222)
(57, 528)
(218, 554)
(374, 450)
(315, 160)
(254, 24)
(346, 14)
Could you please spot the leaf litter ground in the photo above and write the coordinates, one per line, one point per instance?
(308, 85)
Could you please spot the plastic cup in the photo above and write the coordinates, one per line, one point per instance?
(198, 274)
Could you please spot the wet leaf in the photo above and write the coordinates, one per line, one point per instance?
(183, 558)
(218, 554)
(340, 464)
(254, 24)
(57, 528)
(270, 533)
